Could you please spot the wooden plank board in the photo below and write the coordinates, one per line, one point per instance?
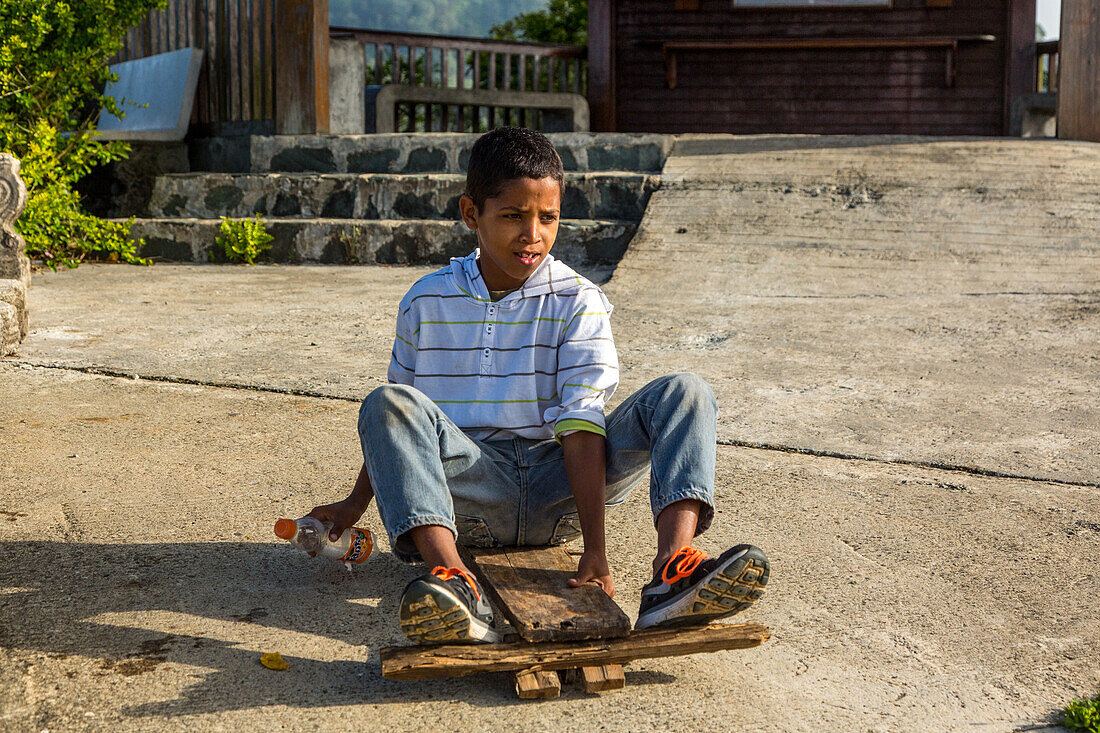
(528, 584)
(603, 678)
(458, 660)
(1079, 80)
(537, 684)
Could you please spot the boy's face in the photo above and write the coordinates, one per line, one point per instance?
(515, 229)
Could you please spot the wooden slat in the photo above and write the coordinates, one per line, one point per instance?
(214, 53)
(147, 36)
(168, 25)
(198, 39)
(529, 585)
(458, 660)
(538, 684)
(603, 678)
(255, 65)
(183, 26)
(248, 106)
(233, 29)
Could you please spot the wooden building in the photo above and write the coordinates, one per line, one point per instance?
(929, 67)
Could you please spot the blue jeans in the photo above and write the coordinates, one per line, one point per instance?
(426, 471)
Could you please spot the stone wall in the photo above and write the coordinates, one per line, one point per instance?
(15, 269)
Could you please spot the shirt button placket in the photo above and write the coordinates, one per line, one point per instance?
(488, 339)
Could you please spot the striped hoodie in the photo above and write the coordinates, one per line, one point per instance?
(537, 363)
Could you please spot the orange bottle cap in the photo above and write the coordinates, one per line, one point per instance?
(286, 528)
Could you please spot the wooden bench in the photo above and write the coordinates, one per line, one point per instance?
(562, 112)
(556, 628)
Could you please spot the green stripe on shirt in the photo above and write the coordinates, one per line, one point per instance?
(574, 423)
(594, 389)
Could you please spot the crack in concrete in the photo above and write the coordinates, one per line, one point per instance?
(107, 372)
(1034, 292)
(935, 465)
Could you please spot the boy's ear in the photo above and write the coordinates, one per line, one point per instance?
(468, 209)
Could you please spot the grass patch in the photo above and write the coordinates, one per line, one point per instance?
(1083, 715)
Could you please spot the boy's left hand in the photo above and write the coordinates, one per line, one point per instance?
(593, 568)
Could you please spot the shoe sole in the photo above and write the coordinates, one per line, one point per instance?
(733, 586)
(433, 615)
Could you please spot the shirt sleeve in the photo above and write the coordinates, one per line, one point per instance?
(403, 357)
(588, 367)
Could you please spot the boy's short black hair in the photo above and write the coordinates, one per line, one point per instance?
(505, 154)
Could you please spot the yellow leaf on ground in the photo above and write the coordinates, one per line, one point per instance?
(273, 660)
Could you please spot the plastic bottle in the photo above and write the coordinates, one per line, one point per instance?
(311, 535)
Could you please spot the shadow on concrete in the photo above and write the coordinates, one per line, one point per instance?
(211, 606)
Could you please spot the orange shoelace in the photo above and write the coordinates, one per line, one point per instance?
(683, 561)
(447, 573)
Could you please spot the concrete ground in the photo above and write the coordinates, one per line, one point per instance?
(902, 335)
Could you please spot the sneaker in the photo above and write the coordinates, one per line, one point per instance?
(446, 605)
(694, 589)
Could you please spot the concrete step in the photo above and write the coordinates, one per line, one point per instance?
(606, 195)
(592, 247)
(414, 153)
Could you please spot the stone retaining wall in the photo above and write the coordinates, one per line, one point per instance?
(15, 269)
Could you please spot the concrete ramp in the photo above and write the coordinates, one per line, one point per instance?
(890, 297)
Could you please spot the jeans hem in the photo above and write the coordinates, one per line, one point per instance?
(423, 520)
(706, 512)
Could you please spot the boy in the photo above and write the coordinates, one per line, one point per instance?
(492, 429)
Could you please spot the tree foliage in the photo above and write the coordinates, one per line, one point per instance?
(53, 67)
(563, 21)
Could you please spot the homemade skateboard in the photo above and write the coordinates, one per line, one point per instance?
(578, 631)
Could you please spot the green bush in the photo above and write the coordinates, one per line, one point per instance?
(53, 67)
(243, 240)
(1083, 715)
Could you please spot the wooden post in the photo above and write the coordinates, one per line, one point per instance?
(1079, 80)
(301, 67)
(601, 64)
(1019, 56)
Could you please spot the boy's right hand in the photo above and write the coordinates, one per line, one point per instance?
(342, 514)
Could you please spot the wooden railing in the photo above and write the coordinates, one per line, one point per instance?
(467, 63)
(1046, 66)
(237, 80)
(239, 87)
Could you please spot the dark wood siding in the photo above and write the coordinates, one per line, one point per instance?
(853, 90)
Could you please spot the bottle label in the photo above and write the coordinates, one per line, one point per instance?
(360, 548)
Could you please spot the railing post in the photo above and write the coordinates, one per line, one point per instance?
(301, 67)
(1019, 56)
(1079, 80)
